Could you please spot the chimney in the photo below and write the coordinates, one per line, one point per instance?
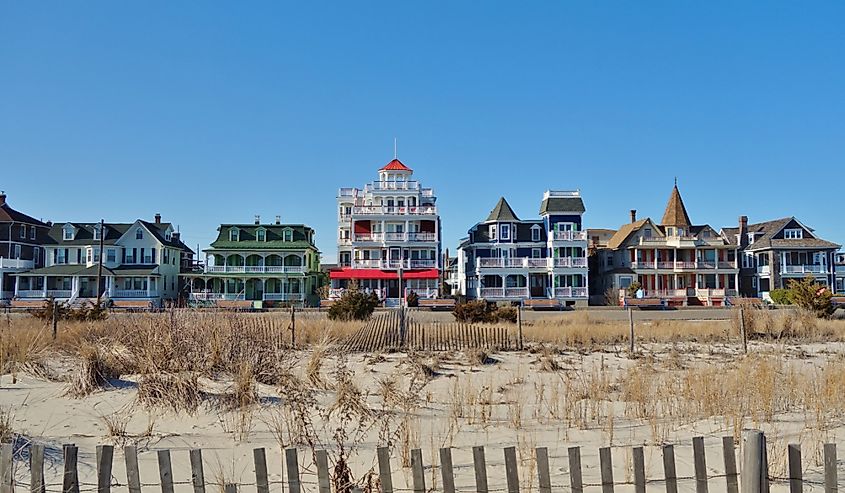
(278, 220)
(2, 198)
(633, 215)
(175, 237)
(257, 219)
(158, 218)
(743, 231)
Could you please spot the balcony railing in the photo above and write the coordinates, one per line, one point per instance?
(379, 210)
(59, 293)
(394, 264)
(504, 293)
(570, 292)
(569, 236)
(283, 296)
(254, 269)
(134, 293)
(338, 292)
(804, 269)
(764, 270)
(684, 265)
(574, 262)
(531, 263)
(216, 297)
(425, 293)
(395, 237)
(13, 263)
(31, 293)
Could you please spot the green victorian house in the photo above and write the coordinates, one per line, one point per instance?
(274, 264)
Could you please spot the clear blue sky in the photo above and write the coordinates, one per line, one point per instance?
(211, 112)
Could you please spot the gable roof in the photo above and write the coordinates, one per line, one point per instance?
(676, 212)
(114, 231)
(625, 231)
(562, 204)
(395, 165)
(7, 214)
(766, 232)
(502, 212)
(273, 239)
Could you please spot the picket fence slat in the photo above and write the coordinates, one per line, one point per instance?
(323, 478)
(606, 465)
(36, 469)
(480, 466)
(197, 470)
(575, 481)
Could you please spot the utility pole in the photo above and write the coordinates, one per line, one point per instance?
(100, 263)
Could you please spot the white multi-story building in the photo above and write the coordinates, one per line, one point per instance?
(388, 236)
(507, 258)
(141, 262)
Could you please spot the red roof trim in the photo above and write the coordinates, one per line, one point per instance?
(395, 165)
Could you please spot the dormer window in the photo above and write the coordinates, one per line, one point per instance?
(680, 231)
(234, 234)
(793, 234)
(647, 233)
(750, 238)
(535, 233)
(97, 232)
(670, 231)
(139, 234)
(287, 235)
(261, 235)
(67, 233)
(493, 232)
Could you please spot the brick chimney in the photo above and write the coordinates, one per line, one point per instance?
(743, 231)
(158, 218)
(2, 198)
(633, 215)
(175, 236)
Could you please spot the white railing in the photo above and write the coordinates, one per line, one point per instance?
(727, 265)
(665, 293)
(392, 185)
(423, 264)
(426, 293)
(133, 293)
(338, 292)
(216, 296)
(804, 269)
(575, 262)
(425, 237)
(254, 269)
(395, 237)
(764, 269)
(59, 293)
(491, 262)
(382, 210)
(31, 293)
(283, 296)
(570, 292)
(516, 293)
(709, 293)
(531, 263)
(569, 236)
(14, 263)
(492, 292)
(369, 237)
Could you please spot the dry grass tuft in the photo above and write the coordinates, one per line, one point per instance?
(91, 374)
(479, 357)
(176, 392)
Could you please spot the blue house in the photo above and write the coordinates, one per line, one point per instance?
(505, 258)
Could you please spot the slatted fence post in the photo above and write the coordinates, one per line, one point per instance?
(752, 461)
(543, 474)
(417, 471)
(831, 479)
(480, 466)
(447, 471)
(105, 454)
(639, 470)
(385, 475)
(669, 469)
(700, 463)
(7, 476)
(259, 459)
(511, 470)
(133, 476)
(631, 338)
(729, 453)
(70, 478)
(575, 481)
(197, 471)
(796, 477)
(742, 334)
(323, 478)
(606, 466)
(165, 471)
(36, 469)
(292, 463)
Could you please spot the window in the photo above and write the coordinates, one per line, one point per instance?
(88, 255)
(287, 235)
(97, 232)
(262, 235)
(647, 233)
(36, 254)
(139, 234)
(17, 251)
(505, 231)
(67, 233)
(32, 232)
(96, 255)
(60, 256)
(535, 233)
(754, 282)
(793, 234)
(111, 256)
(535, 253)
(234, 234)
(748, 260)
(23, 231)
(670, 231)
(493, 232)
(610, 260)
(167, 236)
(705, 233)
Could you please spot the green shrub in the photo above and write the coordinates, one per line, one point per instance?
(506, 314)
(781, 296)
(633, 288)
(353, 305)
(812, 296)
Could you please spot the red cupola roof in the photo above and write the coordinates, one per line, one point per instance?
(395, 165)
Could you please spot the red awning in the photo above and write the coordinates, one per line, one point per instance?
(349, 273)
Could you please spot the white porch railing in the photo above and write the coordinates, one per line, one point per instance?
(395, 237)
(254, 269)
(283, 296)
(492, 292)
(531, 263)
(338, 292)
(216, 296)
(804, 269)
(13, 263)
(665, 293)
(427, 293)
(709, 293)
(567, 292)
(31, 293)
(575, 262)
(133, 293)
(423, 264)
(393, 264)
(376, 210)
(59, 293)
(569, 236)
(369, 237)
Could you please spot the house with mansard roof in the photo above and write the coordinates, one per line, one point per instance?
(141, 262)
(272, 264)
(505, 258)
(21, 246)
(673, 260)
(774, 252)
